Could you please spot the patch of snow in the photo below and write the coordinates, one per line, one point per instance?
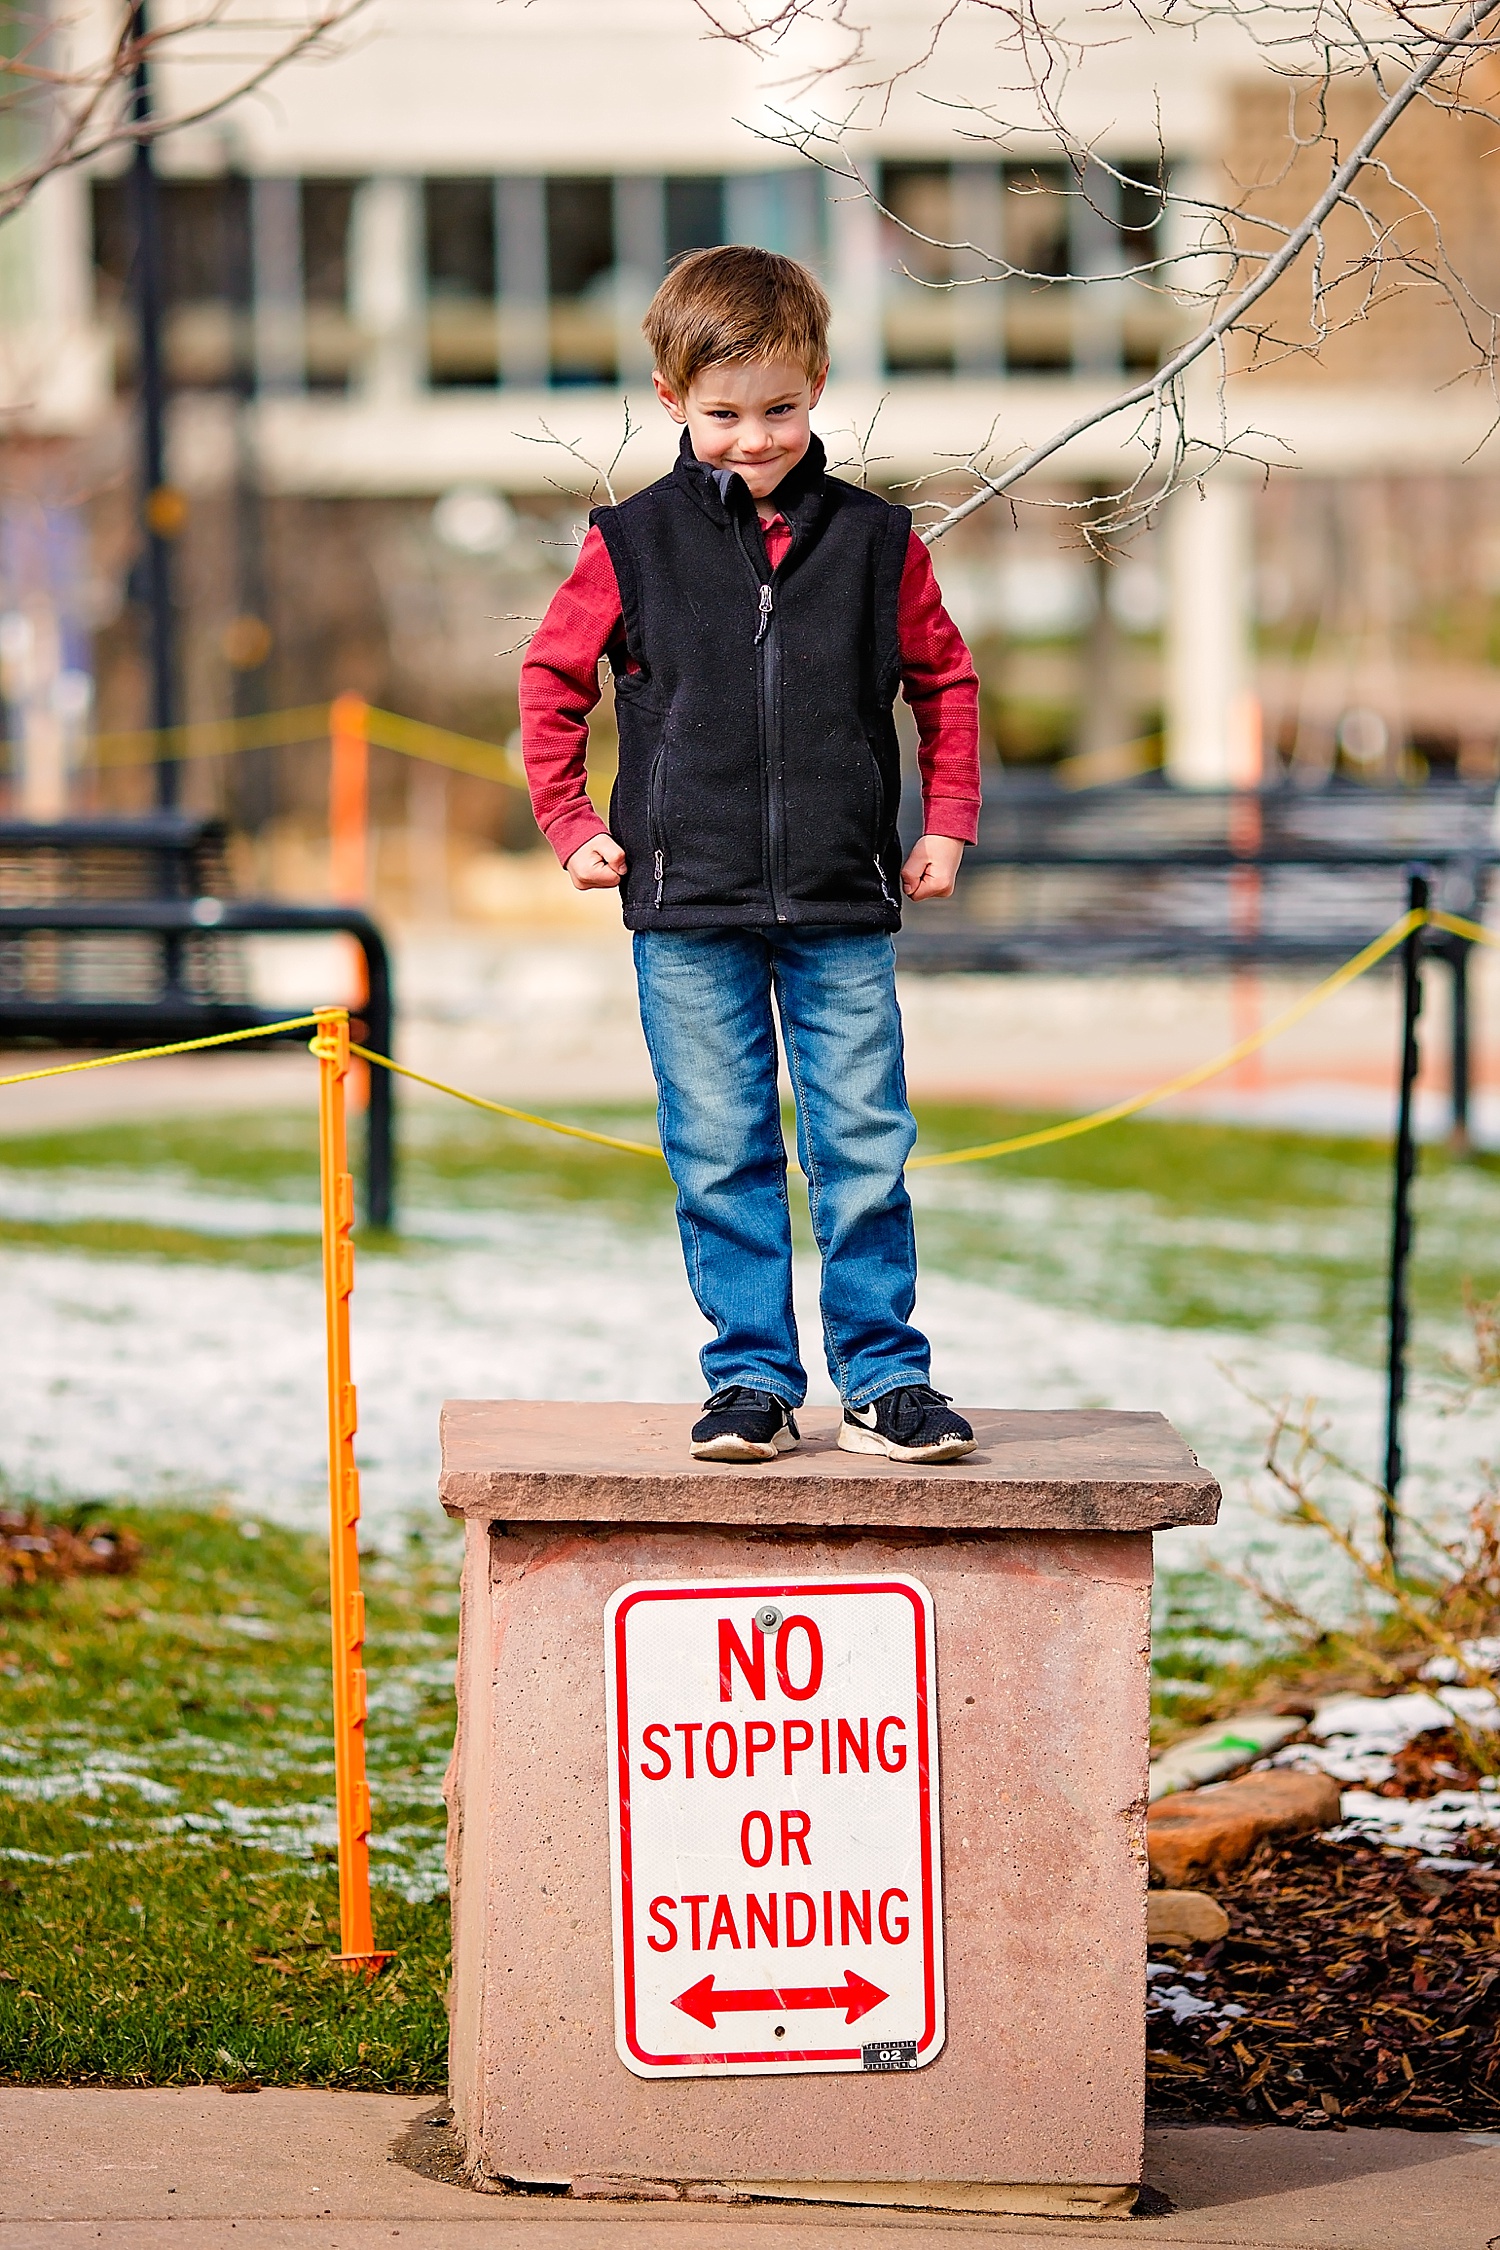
(103, 1770)
(1388, 1723)
(1422, 1824)
(1176, 2001)
(1482, 1654)
(1358, 1736)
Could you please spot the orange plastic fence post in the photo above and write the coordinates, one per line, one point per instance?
(349, 798)
(346, 1602)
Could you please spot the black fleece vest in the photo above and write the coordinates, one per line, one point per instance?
(760, 776)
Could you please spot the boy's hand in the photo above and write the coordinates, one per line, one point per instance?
(598, 865)
(931, 868)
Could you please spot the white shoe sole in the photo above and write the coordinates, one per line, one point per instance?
(852, 1439)
(730, 1448)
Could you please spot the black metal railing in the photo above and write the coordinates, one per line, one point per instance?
(128, 939)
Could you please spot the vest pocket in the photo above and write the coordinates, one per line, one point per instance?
(655, 830)
(703, 820)
(836, 825)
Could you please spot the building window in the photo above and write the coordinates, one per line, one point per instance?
(1149, 316)
(580, 274)
(1069, 305)
(330, 340)
(462, 330)
(205, 254)
(695, 214)
(920, 266)
(1036, 241)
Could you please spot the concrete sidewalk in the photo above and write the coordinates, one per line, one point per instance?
(292, 2170)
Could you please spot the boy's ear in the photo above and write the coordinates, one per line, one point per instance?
(818, 383)
(668, 396)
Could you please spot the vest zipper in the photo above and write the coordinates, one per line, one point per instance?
(660, 878)
(768, 699)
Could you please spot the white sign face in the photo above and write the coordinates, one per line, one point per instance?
(774, 1826)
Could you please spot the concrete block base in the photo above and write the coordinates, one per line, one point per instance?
(1036, 2102)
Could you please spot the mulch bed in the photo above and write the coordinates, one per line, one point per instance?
(1370, 1985)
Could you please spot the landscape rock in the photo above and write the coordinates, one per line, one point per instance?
(1207, 1831)
(1178, 1918)
(1218, 1751)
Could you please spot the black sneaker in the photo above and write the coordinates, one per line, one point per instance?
(914, 1424)
(743, 1425)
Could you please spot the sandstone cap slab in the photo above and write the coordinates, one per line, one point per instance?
(551, 1461)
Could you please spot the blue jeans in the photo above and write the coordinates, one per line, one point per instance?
(706, 1010)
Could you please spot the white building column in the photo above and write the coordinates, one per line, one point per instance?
(28, 678)
(856, 273)
(640, 214)
(277, 317)
(1096, 257)
(979, 308)
(387, 294)
(56, 361)
(521, 284)
(1213, 734)
(780, 210)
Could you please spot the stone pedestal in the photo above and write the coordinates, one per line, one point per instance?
(1036, 1552)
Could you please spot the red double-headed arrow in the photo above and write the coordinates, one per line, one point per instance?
(856, 1995)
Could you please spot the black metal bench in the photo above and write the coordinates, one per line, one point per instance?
(123, 933)
(1148, 876)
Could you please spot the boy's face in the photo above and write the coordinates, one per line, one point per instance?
(750, 416)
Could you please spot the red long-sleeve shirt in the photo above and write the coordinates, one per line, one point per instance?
(560, 686)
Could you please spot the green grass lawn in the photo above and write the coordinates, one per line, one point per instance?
(168, 1902)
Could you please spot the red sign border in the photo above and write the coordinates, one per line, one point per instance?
(790, 1588)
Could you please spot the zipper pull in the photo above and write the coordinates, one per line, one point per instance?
(766, 597)
(660, 877)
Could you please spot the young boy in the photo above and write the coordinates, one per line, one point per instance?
(759, 617)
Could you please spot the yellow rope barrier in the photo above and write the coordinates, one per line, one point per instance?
(1044, 1137)
(502, 1109)
(149, 1054)
(1475, 932)
(1366, 959)
(210, 738)
(440, 746)
(223, 738)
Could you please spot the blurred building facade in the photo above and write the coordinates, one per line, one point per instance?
(405, 288)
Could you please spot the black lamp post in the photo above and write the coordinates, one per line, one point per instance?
(161, 506)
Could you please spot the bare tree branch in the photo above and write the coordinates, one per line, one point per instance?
(78, 110)
(1405, 51)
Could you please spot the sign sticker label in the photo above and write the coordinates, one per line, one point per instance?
(775, 1862)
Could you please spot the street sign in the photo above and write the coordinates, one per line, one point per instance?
(774, 1837)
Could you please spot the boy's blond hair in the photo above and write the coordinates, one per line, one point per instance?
(736, 303)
